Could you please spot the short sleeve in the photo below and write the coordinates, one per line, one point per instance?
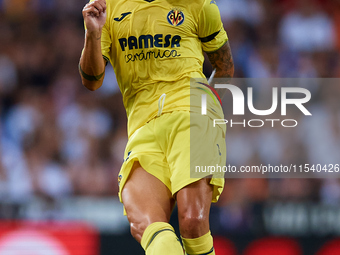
(210, 27)
(106, 43)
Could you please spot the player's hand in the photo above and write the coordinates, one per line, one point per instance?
(94, 14)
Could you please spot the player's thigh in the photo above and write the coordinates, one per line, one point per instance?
(196, 146)
(146, 200)
(194, 203)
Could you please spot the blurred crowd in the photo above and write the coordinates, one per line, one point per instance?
(60, 140)
(57, 138)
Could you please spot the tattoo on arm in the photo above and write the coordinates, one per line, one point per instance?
(222, 60)
(90, 77)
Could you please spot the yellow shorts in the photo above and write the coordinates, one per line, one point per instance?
(163, 149)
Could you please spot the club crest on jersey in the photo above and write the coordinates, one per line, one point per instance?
(175, 17)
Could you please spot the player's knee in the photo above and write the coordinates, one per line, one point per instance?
(137, 230)
(192, 224)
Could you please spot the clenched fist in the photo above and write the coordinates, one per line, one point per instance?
(94, 14)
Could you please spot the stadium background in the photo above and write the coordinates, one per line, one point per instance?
(61, 146)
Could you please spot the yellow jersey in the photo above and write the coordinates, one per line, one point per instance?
(155, 47)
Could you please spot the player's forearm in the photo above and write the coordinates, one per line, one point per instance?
(92, 64)
(222, 61)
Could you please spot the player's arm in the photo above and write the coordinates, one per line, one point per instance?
(222, 62)
(214, 41)
(92, 63)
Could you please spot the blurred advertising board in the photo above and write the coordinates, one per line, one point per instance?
(48, 238)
